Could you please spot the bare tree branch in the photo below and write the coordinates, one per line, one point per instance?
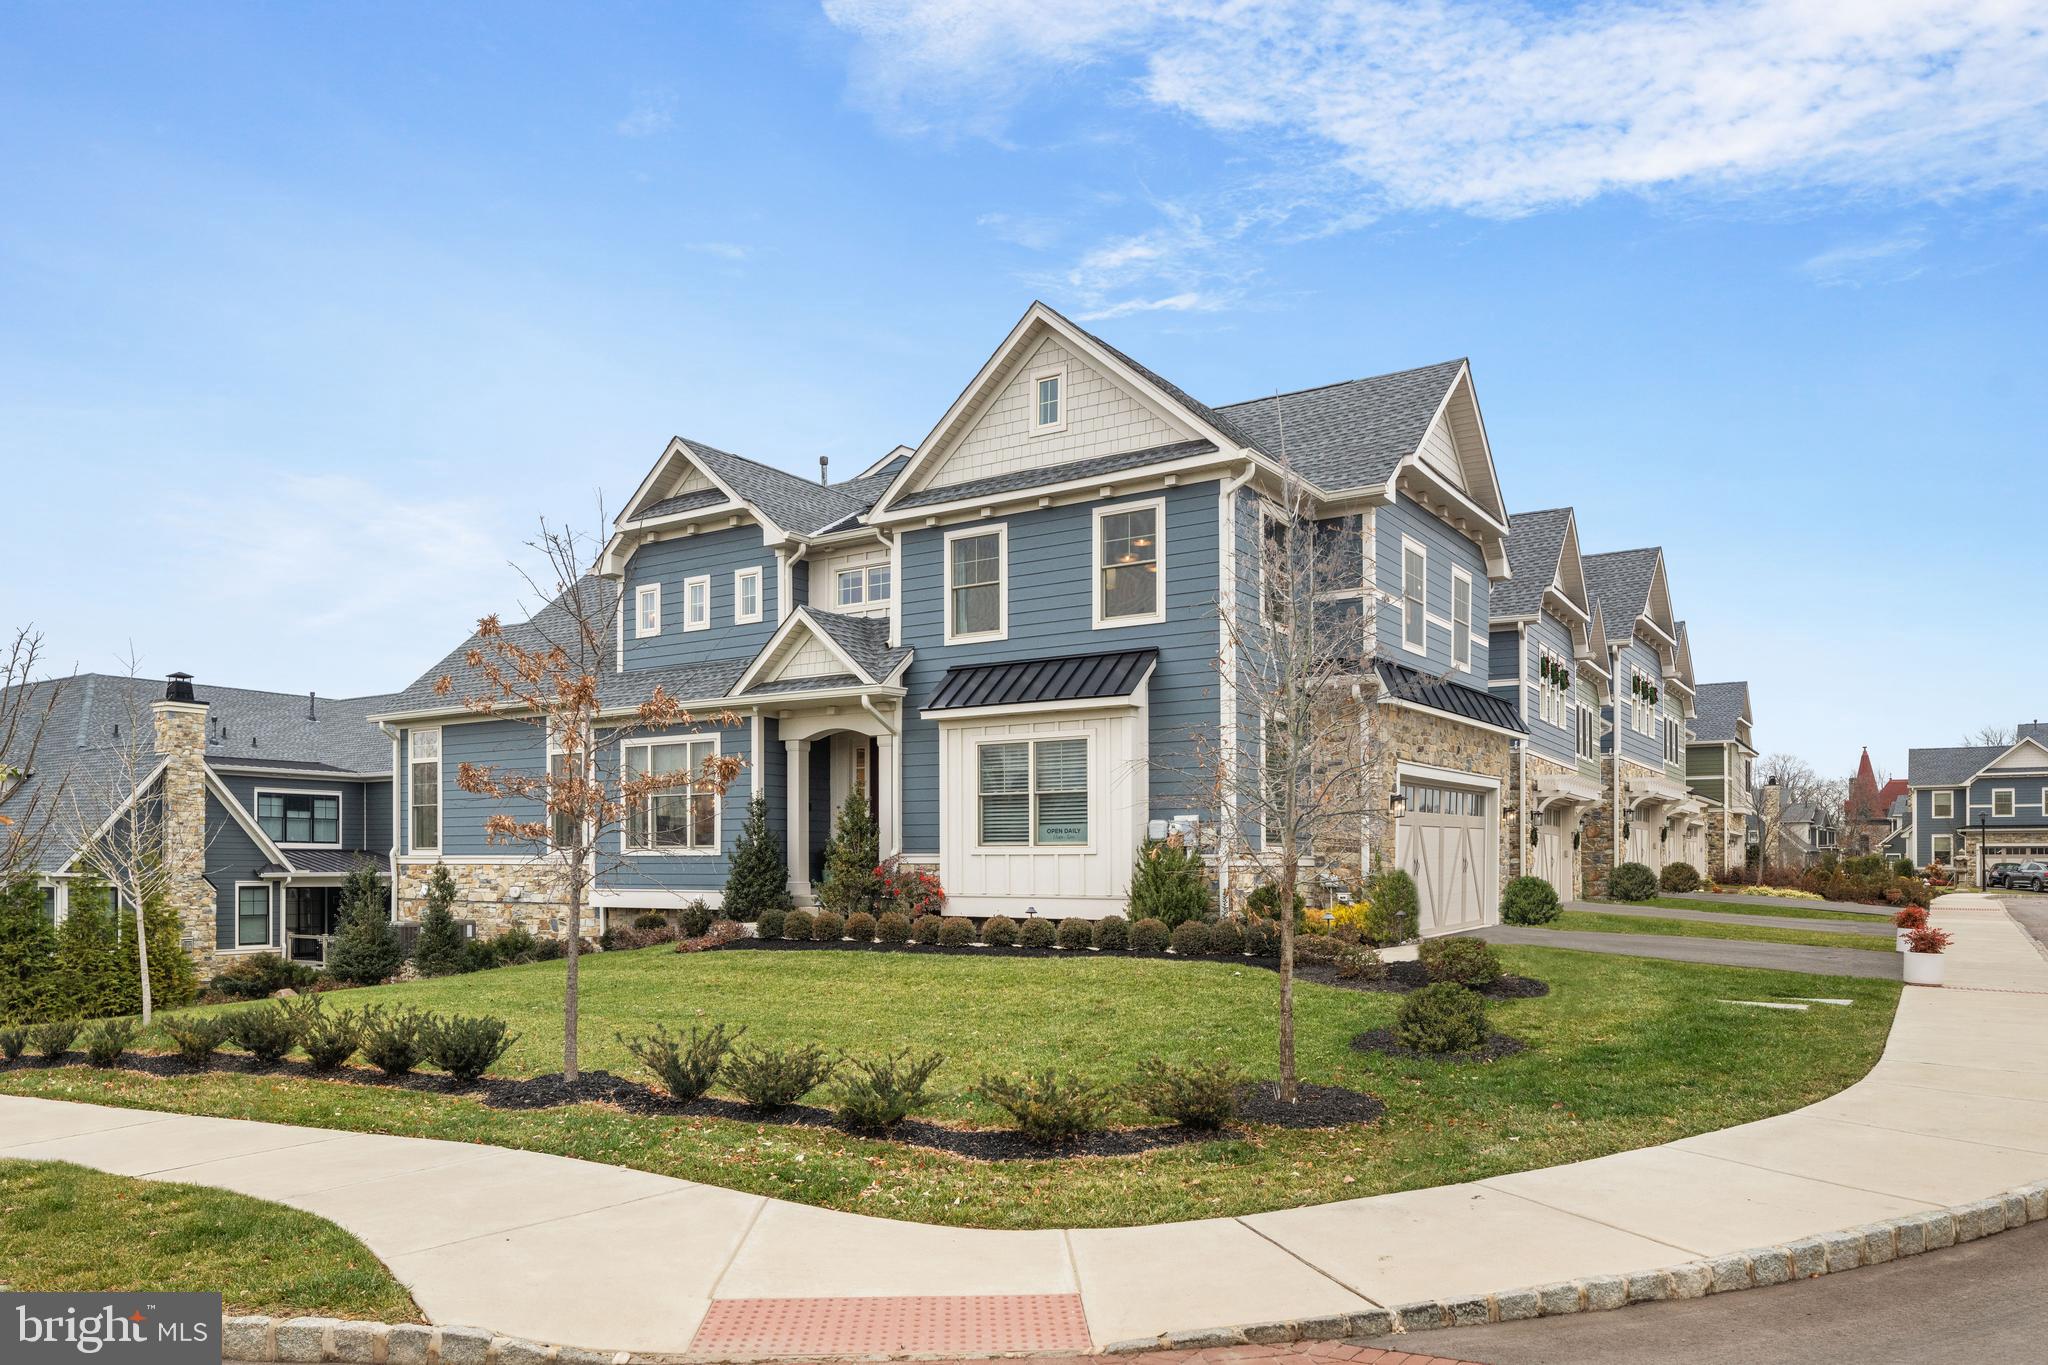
(29, 802)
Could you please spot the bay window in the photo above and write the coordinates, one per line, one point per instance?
(1033, 793)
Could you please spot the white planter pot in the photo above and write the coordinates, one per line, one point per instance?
(1923, 969)
(1903, 935)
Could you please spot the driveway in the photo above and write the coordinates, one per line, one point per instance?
(2031, 912)
(1723, 952)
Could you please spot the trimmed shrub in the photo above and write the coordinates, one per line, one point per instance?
(1683, 877)
(195, 1039)
(1467, 961)
(1047, 1108)
(877, 1093)
(860, 927)
(926, 928)
(1075, 934)
(514, 946)
(1264, 902)
(650, 919)
(1632, 882)
(53, 1039)
(394, 1040)
(769, 925)
(893, 927)
(465, 1046)
(695, 920)
(1190, 938)
(1262, 938)
(827, 927)
(913, 888)
(1148, 936)
(999, 931)
(267, 1032)
(1199, 1095)
(1113, 934)
(262, 974)
(366, 951)
(1319, 948)
(14, 1041)
(955, 931)
(685, 1066)
(1037, 933)
(797, 924)
(1904, 868)
(1226, 939)
(1394, 913)
(1170, 884)
(1441, 1018)
(759, 880)
(1356, 962)
(105, 1042)
(439, 949)
(1529, 900)
(329, 1039)
(770, 1078)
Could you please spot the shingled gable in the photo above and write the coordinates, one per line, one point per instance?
(815, 648)
(1543, 557)
(1630, 587)
(1163, 419)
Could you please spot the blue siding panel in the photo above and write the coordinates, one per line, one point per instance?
(231, 856)
(1446, 549)
(716, 553)
(511, 746)
(687, 871)
(1552, 741)
(354, 818)
(1645, 749)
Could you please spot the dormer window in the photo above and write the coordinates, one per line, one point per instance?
(1048, 398)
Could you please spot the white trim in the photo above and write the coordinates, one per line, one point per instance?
(690, 586)
(740, 616)
(1939, 854)
(1059, 421)
(1934, 811)
(780, 638)
(717, 845)
(1408, 543)
(645, 596)
(2011, 795)
(242, 817)
(412, 764)
(272, 925)
(1001, 531)
(1458, 575)
(257, 794)
(1030, 744)
(1157, 506)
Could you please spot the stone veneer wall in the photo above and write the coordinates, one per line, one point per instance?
(1512, 829)
(1596, 837)
(483, 896)
(180, 734)
(1439, 741)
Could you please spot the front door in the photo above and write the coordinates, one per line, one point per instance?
(1551, 864)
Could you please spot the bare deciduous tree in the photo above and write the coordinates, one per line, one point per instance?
(551, 680)
(1992, 736)
(27, 807)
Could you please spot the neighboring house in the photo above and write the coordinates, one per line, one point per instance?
(1801, 833)
(1646, 813)
(1717, 769)
(1976, 804)
(1548, 660)
(1898, 840)
(1866, 810)
(1007, 637)
(264, 801)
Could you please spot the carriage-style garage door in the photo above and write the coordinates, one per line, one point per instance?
(1448, 841)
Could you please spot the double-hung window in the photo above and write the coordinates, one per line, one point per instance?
(300, 817)
(2001, 803)
(1127, 564)
(746, 596)
(1944, 848)
(1032, 793)
(1587, 741)
(646, 610)
(425, 795)
(1942, 805)
(975, 572)
(252, 916)
(682, 815)
(1461, 619)
(1414, 581)
(697, 602)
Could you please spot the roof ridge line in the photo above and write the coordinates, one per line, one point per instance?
(1340, 383)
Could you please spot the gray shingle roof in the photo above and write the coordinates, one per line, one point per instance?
(1950, 766)
(1220, 419)
(864, 638)
(1718, 706)
(1045, 475)
(1621, 582)
(555, 623)
(682, 502)
(782, 685)
(2035, 731)
(1350, 435)
(795, 504)
(1535, 540)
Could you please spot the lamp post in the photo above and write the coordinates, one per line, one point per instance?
(1983, 820)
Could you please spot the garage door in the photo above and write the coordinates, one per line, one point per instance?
(1446, 842)
(1551, 862)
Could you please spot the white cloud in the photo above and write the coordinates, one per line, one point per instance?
(653, 112)
(1883, 261)
(1187, 302)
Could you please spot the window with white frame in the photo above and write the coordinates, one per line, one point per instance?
(975, 573)
(252, 915)
(1048, 396)
(697, 602)
(1461, 619)
(1642, 710)
(1944, 848)
(1032, 793)
(746, 596)
(2001, 802)
(1128, 559)
(646, 610)
(1414, 594)
(1588, 739)
(862, 587)
(1943, 805)
(425, 789)
(562, 823)
(681, 817)
(300, 817)
(1553, 687)
(1671, 746)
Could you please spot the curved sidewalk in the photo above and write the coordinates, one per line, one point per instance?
(573, 1253)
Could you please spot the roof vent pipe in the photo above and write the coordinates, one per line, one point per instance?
(824, 463)
(179, 687)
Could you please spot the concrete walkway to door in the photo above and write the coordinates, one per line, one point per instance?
(572, 1253)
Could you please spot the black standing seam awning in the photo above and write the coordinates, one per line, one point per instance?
(1025, 682)
(1456, 700)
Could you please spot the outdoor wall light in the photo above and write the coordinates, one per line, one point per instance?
(1397, 803)
(1535, 834)
(1575, 841)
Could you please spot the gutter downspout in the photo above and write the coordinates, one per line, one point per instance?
(787, 606)
(1523, 827)
(388, 728)
(1226, 819)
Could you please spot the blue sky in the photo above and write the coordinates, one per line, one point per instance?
(307, 312)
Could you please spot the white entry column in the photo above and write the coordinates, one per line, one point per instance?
(889, 788)
(797, 785)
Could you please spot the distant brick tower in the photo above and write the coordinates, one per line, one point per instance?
(1864, 823)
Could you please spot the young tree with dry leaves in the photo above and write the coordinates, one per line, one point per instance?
(551, 676)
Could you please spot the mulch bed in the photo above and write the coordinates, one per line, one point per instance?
(1318, 1107)
(1383, 1041)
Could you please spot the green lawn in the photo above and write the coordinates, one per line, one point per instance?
(1784, 908)
(1624, 1053)
(1700, 928)
(64, 1228)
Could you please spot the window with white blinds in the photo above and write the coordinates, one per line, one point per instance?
(1033, 793)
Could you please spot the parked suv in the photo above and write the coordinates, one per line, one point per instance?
(1998, 873)
(2027, 877)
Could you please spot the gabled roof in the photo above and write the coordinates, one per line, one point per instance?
(1043, 476)
(859, 643)
(804, 506)
(1717, 707)
(1543, 556)
(1949, 767)
(1628, 585)
(1683, 654)
(1353, 434)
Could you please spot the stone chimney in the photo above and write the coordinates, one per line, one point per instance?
(1774, 800)
(180, 720)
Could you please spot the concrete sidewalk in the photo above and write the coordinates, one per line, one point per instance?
(1724, 952)
(572, 1253)
(1825, 926)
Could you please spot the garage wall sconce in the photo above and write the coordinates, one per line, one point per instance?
(1397, 804)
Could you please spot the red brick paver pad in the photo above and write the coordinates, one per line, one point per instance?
(922, 1325)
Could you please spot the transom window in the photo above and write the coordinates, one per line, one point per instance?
(1127, 546)
(426, 789)
(679, 818)
(863, 587)
(697, 603)
(646, 610)
(1033, 792)
(746, 596)
(1944, 806)
(1461, 621)
(1414, 586)
(1425, 800)
(974, 584)
(2001, 802)
(252, 916)
(300, 817)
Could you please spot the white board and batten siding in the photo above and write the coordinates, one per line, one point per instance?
(1087, 881)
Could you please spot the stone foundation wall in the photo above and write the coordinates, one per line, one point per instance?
(1513, 830)
(1597, 836)
(485, 895)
